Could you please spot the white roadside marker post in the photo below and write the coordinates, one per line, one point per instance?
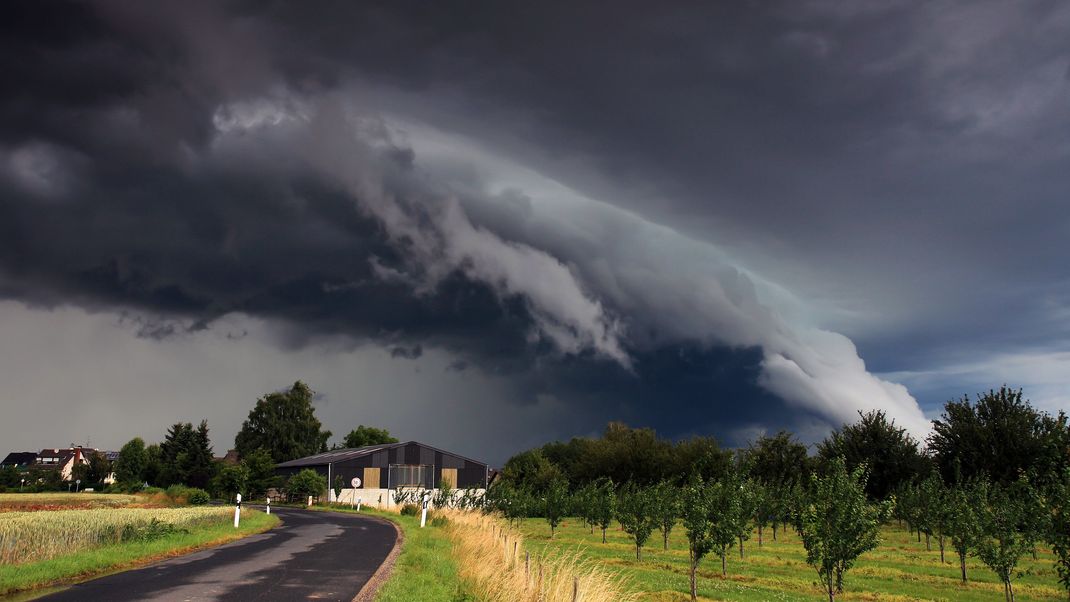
(359, 500)
(269, 505)
(237, 511)
(423, 515)
(310, 501)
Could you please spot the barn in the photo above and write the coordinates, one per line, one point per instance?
(388, 467)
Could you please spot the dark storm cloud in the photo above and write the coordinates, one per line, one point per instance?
(188, 162)
(865, 154)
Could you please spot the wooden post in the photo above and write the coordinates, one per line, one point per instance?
(575, 589)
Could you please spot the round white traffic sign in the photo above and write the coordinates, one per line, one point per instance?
(355, 482)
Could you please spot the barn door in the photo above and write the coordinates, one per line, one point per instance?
(371, 478)
(449, 477)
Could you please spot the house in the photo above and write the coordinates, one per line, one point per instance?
(63, 460)
(19, 460)
(383, 469)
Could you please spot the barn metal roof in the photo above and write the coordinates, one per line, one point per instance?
(337, 455)
(341, 455)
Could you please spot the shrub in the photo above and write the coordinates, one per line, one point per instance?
(439, 521)
(410, 510)
(305, 483)
(198, 497)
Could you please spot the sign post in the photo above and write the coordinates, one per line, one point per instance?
(77, 484)
(237, 511)
(356, 485)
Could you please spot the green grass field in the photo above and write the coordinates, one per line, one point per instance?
(109, 558)
(899, 570)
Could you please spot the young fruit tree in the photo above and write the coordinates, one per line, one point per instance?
(635, 511)
(837, 524)
(963, 524)
(695, 511)
(666, 502)
(555, 503)
(604, 505)
(726, 512)
(749, 501)
(583, 505)
(1006, 537)
(935, 510)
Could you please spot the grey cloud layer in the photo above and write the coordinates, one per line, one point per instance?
(275, 161)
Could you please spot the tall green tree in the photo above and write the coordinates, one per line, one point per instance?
(1000, 435)
(777, 460)
(368, 435)
(131, 463)
(285, 424)
(890, 454)
(261, 472)
(186, 456)
(837, 523)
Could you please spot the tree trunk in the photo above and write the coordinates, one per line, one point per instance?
(759, 536)
(694, 567)
(919, 536)
(638, 553)
(665, 534)
(962, 565)
(724, 567)
(928, 546)
(774, 531)
(940, 539)
(741, 547)
(603, 535)
(830, 588)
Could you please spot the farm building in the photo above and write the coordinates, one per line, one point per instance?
(384, 468)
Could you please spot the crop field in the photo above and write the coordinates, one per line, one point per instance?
(37, 536)
(899, 570)
(11, 502)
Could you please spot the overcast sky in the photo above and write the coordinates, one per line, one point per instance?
(493, 226)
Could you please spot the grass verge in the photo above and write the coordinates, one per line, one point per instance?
(86, 564)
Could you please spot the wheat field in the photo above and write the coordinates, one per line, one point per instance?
(34, 536)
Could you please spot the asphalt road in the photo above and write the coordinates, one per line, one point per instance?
(311, 556)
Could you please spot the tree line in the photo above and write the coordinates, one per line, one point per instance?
(281, 426)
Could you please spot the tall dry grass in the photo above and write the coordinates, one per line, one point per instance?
(32, 536)
(493, 562)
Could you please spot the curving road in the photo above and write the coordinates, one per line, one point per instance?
(311, 556)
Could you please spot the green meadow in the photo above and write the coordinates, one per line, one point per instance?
(899, 570)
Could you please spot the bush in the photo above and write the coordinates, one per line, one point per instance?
(440, 521)
(410, 510)
(198, 497)
(305, 483)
